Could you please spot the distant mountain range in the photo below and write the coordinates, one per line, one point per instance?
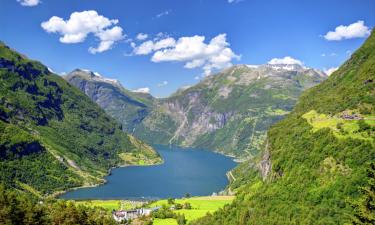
(228, 112)
(52, 136)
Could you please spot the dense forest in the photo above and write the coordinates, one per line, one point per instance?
(17, 208)
(52, 136)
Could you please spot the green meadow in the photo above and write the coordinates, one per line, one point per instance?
(342, 128)
(200, 206)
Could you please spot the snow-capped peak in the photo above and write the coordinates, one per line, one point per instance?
(95, 76)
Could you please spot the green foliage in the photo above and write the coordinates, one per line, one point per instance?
(365, 206)
(163, 213)
(53, 137)
(170, 201)
(16, 208)
(319, 161)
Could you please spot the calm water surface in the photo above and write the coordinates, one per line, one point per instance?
(192, 171)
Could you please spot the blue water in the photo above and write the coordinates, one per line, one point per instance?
(193, 171)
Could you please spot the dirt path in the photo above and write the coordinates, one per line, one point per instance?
(231, 175)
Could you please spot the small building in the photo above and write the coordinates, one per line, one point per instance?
(351, 117)
(122, 215)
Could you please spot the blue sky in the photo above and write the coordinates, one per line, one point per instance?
(199, 36)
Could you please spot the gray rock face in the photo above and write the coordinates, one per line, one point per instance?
(265, 165)
(128, 108)
(228, 112)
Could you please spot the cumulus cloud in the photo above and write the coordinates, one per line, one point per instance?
(29, 3)
(195, 53)
(149, 46)
(330, 70)
(142, 36)
(81, 24)
(142, 90)
(164, 83)
(286, 60)
(354, 30)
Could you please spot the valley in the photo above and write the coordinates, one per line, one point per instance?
(228, 112)
(233, 112)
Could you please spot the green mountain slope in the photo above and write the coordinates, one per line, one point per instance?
(318, 163)
(53, 137)
(228, 112)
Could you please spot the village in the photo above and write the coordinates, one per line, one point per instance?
(131, 214)
(150, 210)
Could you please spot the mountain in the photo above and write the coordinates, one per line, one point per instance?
(52, 136)
(130, 108)
(318, 164)
(228, 112)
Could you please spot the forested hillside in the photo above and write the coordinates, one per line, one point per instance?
(17, 208)
(52, 136)
(321, 156)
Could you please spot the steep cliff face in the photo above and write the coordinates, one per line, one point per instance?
(127, 107)
(228, 112)
(322, 156)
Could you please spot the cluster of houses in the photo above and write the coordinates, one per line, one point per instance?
(124, 215)
(347, 116)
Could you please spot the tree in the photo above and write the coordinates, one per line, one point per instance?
(365, 208)
(187, 205)
(170, 201)
(180, 219)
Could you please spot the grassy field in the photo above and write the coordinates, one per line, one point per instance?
(200, 206)
(342, 128)
(164, 222)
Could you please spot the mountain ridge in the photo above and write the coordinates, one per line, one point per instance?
(318, 164)
(190, 117)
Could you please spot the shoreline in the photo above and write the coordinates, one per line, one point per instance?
(103, 180)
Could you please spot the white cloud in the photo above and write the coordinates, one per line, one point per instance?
(286, 60)
(142, 90)
(107, 39)
(354, 30)
(142, 36)
(164, 83)
(195, 53)
(165, 13)
(81, 24)
(29, 3)
(330, 70)
(323, 54)
(234, 1)
(149, 46)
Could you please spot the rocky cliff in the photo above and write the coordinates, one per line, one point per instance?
(228, 112)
